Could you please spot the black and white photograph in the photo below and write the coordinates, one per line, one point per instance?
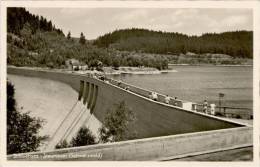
(148, 82)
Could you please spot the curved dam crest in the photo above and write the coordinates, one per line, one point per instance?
(154, 119)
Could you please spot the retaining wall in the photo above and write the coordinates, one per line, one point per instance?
(158, 148)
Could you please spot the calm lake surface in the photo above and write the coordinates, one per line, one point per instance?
(196, 83)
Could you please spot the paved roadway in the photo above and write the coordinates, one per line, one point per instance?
(242, 154)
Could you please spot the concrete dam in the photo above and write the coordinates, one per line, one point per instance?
(163, 131)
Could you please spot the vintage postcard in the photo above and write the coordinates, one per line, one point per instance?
(128, 82)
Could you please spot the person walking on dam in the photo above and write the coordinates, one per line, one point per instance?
(212, 109)
(154, 96)
(175, 101)
(167, 99)
(205, 106)
(150, 95)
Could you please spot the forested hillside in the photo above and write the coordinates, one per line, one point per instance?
(237, 44)
(35, 41)
(18, 17)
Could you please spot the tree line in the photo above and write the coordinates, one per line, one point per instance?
(18, 17)
(238, 44)
(34, 41)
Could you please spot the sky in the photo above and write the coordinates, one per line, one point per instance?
(94, 22)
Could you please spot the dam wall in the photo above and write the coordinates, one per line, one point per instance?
(157, 148)
(153, 118)
(164, 131)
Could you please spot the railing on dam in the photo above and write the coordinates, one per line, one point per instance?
(147, 93)
(226, 111)
(161, 98)
(230, 112)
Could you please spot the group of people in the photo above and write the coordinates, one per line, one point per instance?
(167, 99)
(154, 96)
(208, 109)
(100, 77)
(211, 106)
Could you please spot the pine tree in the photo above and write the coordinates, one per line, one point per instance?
(116, 124)
(18, 17)
(82, 39)
(69, 35)
(84, 137)
(22, 129)
(62, 144)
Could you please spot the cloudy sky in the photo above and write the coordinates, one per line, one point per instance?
(94, 22)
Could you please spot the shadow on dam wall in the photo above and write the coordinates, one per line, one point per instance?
(152, 118)
(163, 131)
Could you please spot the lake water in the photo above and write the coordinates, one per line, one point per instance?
(196, 83)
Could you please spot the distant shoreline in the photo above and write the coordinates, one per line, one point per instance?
(218, 65)
(135, 70)
(143, 72)
(132, 70)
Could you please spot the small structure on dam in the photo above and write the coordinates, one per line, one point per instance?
(164, 131)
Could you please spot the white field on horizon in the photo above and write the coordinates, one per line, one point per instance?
(49, 100)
